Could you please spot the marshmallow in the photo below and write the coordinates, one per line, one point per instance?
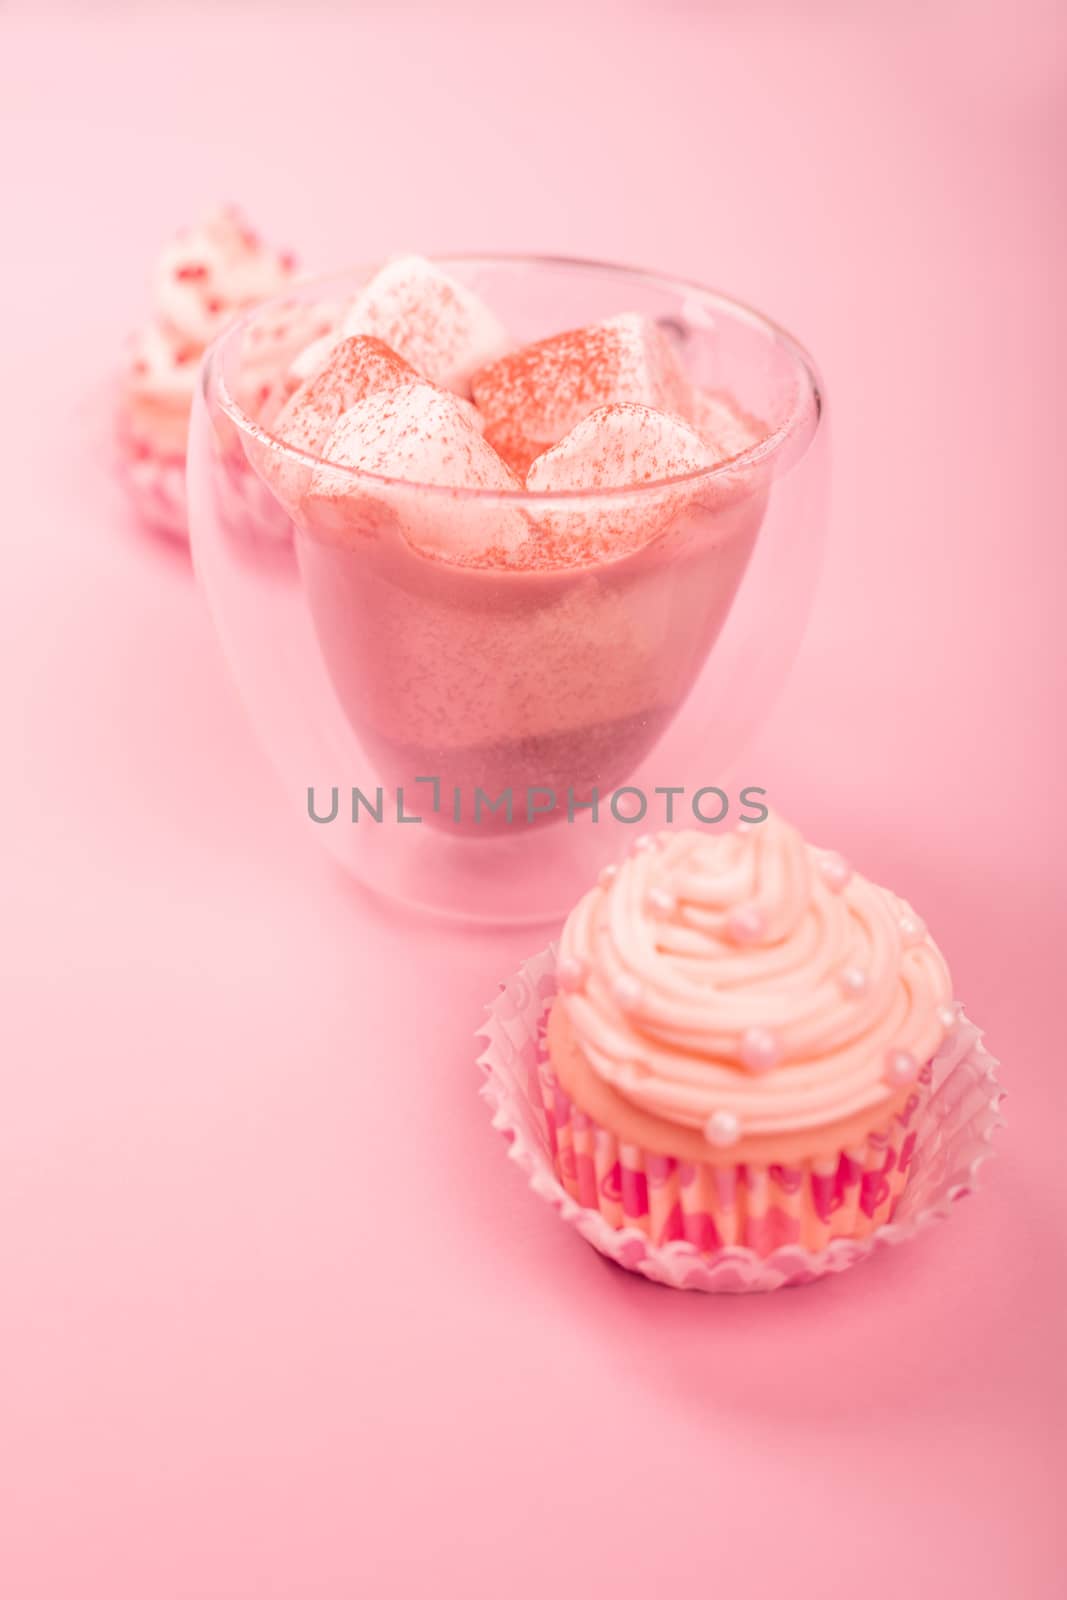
(724, 427)
(355, 368)
(615, 447)
(437, 324)
(618, 445)
(534, 396)
(307, 362)
(418, 436)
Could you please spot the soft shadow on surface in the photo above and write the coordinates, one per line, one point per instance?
(449, 936)
(922, 1328)
(914, 1328)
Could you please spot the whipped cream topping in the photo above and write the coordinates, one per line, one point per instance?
(203, 279)
(162, 368)
(209, 273)
(748, 983)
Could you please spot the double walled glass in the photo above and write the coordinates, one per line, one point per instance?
(478, 736)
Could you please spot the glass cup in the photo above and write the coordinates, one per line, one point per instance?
(477, 740)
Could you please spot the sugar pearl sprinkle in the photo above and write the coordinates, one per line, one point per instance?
(901, 1067)
(722, 1128)
(948, 1017)
(759, 1050)
(645, 843)
(662, 900)
(853, 980)
(835, 870)
(745, 924)
(912, 929)
(570, 974)
(607, 875)
(627, 991)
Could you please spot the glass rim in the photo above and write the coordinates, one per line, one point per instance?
(810, 392)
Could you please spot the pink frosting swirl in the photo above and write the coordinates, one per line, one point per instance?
(748, 983)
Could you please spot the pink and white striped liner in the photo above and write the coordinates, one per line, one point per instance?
(733, 1230)
(156, 486)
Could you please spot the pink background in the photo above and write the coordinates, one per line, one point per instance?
(234, 1364)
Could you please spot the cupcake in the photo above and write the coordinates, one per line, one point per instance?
(740, 1048)
(205, 277)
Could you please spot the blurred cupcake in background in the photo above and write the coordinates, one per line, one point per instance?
(205, 276)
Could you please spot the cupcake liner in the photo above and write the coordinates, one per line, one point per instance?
(153, 479)
(723, 1226)
(156, 486)
(761, 1207)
